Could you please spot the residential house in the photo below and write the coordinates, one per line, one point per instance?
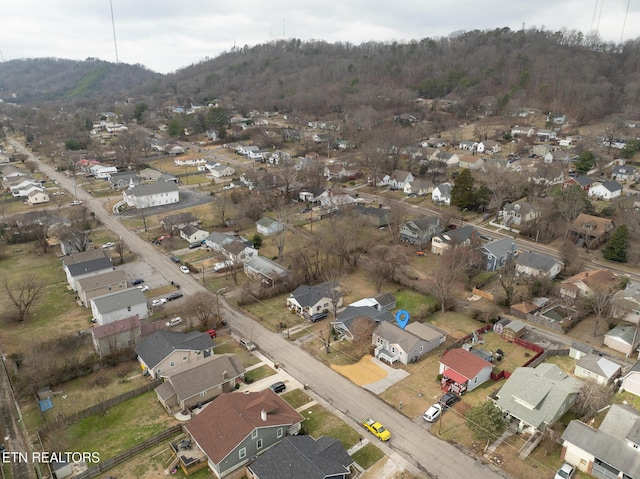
(542, 150)
(124, 179)
(631, 380)
(464, 236)
(558, 157)
(163, 352)
(235, 428)
(398, 179)
(199, 382)
(611, 451)
(102, 172)
(268, 272)
(441, 194)
(582, 181)
(489, 147)
(118, 305)
(546, 135)
(153, 194)
(84, 264)
(218, 170)
(624, 173)
(212, 135)
(11, 171)
(597, 368)
(527, 131)
(377, 217)
(116, 336)
(519, 212)
(329, 199)
(407, 345)
(420, 231)
(450, 159)
(338, 172)
(38, 196)
(605, 191)
(537, 265)
(99, 285)
(381, 302)
(352, 315)
(21, 186)
(623, 338)
(303, 456)
(625, 304)
(468, 145)
(419, 187)
(590, 231)
(471, 162)
(538, 397)
(234, 248)
(178, 221)
(585, 283)
(268, 226)
(499, 253)
(193, 234)
(308, 300)
(150, 174)
(175, 150)
(463, 371)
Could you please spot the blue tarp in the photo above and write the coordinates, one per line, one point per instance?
(46, 404)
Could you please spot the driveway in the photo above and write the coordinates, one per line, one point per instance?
(393, 376)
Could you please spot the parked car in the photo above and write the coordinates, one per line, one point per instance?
(212, 333)
(143, 288)
(433, 413)
(318, 316)
(565, 472)
(175, 259)
(248, 345)
(195, 245)
(76, 202)
(173, 296)
(137, 281)
(158, 302)
(173, 322)
(185, 269)
(278, 387)
(448, 400)
(376, 429)
(110, 244)
(305, 210)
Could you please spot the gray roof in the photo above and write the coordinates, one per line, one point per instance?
(624, 332)
(350, 313)
(540, 262)
(160, 344)
(545, 389)
(581, 347)
(101, 280)
(220, 238)
(153, 189)
(599, 365)
(612, 186)
(583, 180)
(266, 221)
(119, 300)
(83, 256)
(459, 235)
(425, 331)
(266, 267)
(191, 229)
(609, 443)
(303, 456)
(90, 266)
(310, 295)
(501, 247)
(423, 224)
(396, 335)
(385, 299)
(444, 189)
(193, 378)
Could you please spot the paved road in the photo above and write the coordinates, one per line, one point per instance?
(435, 458)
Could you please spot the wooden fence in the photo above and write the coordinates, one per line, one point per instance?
(103, 466)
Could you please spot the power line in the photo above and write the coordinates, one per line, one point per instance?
(113, 26)
(625, 20)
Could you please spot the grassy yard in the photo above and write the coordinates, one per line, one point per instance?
(296, 398)
(320, 422)
(258, 373)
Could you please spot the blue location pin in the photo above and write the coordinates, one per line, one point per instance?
(402, 318)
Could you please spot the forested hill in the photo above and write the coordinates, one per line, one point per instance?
(481, 71)
(498, 70)
(53, 79)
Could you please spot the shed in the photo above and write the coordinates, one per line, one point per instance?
(521, 310)
(513, 330)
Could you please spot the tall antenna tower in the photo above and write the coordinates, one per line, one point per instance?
(113, 26)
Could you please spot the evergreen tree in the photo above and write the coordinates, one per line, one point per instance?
(485, 421)
(618, 245)
(462, 194)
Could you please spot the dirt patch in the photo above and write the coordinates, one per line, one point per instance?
(389, 469)
(363, 372)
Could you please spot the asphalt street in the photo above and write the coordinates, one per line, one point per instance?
(433, 457)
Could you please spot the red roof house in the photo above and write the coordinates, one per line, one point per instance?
(463, 371)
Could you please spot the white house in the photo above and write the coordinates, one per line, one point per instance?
(119, 305)
(441, 194)
(218, 170)
(606, 191)
(193, 234)
(37, 196)
(103, 172)
(268, 226)
(153, 194)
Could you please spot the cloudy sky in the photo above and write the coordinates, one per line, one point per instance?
(166, 35)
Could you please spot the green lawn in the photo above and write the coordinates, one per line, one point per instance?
(418, 305)
(320, 422)
(296, 398)
(258, 373)
(367, 456)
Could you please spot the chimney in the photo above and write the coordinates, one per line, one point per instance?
(263, 415)
(225, 375)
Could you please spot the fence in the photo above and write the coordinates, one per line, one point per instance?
(483, 294)
(103, 466)
(546, 322)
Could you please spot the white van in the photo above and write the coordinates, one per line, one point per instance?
(173, 322)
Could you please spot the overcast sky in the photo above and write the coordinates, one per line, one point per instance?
(166, 35)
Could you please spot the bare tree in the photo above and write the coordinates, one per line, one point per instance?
(75, 237)
(202, 306)
(23, 293)
(598, 302)
(569, 203)
(504, 186)
(221, 205)
(612, 131)
(591, 398)
(362, 328)
(570, 256)
(508, 280)
(451, 267)
(120, 247)
(384, 262)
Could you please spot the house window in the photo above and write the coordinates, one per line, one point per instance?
(259, 444)
(279, 432)
(203, 393)
(158, 371)
(254, 434)
(242, 453)
(421, 349)
(172, 364)
(184, 358)
(129, 308)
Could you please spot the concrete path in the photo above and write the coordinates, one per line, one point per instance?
(393, 376)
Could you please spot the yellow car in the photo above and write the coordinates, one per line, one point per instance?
(377, 429)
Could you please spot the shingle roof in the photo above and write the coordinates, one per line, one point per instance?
(161, 343)
(231, 417)
(463, 362)
(303, 456)
(119, 300)
(501, 247)
(350, 313)
(309, 295)
(540, 262)
(90, 266)
(599, 365)
(153, 189)
(109, 329)
(101, 280)
(84, 256)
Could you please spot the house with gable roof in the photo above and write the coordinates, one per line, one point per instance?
(441, 194)
(84, 264)
(124, 179)
(590, 231)
(165, 351)
(407, 345)
(582, 181)
(152, 194)
(624, 173)
(463, 371)
(343, 324)
(499, 253)
(309, 300)
(626, 303)
(459, 237)
(419, 187)
(585, 283)
(268, 226)
(303, 456)
(631, 379)
(398, 179)
(611, 450)
(597, 368)
(235, 428)
(199, 382)
(622, 338)
(265, 270)
(381, 302)
(99, 285)
(378, 217)
(420, 231)
(537, 397)
(118, 305)
(605, 190)
(519, 212)
(533, 264)
(116, 336)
